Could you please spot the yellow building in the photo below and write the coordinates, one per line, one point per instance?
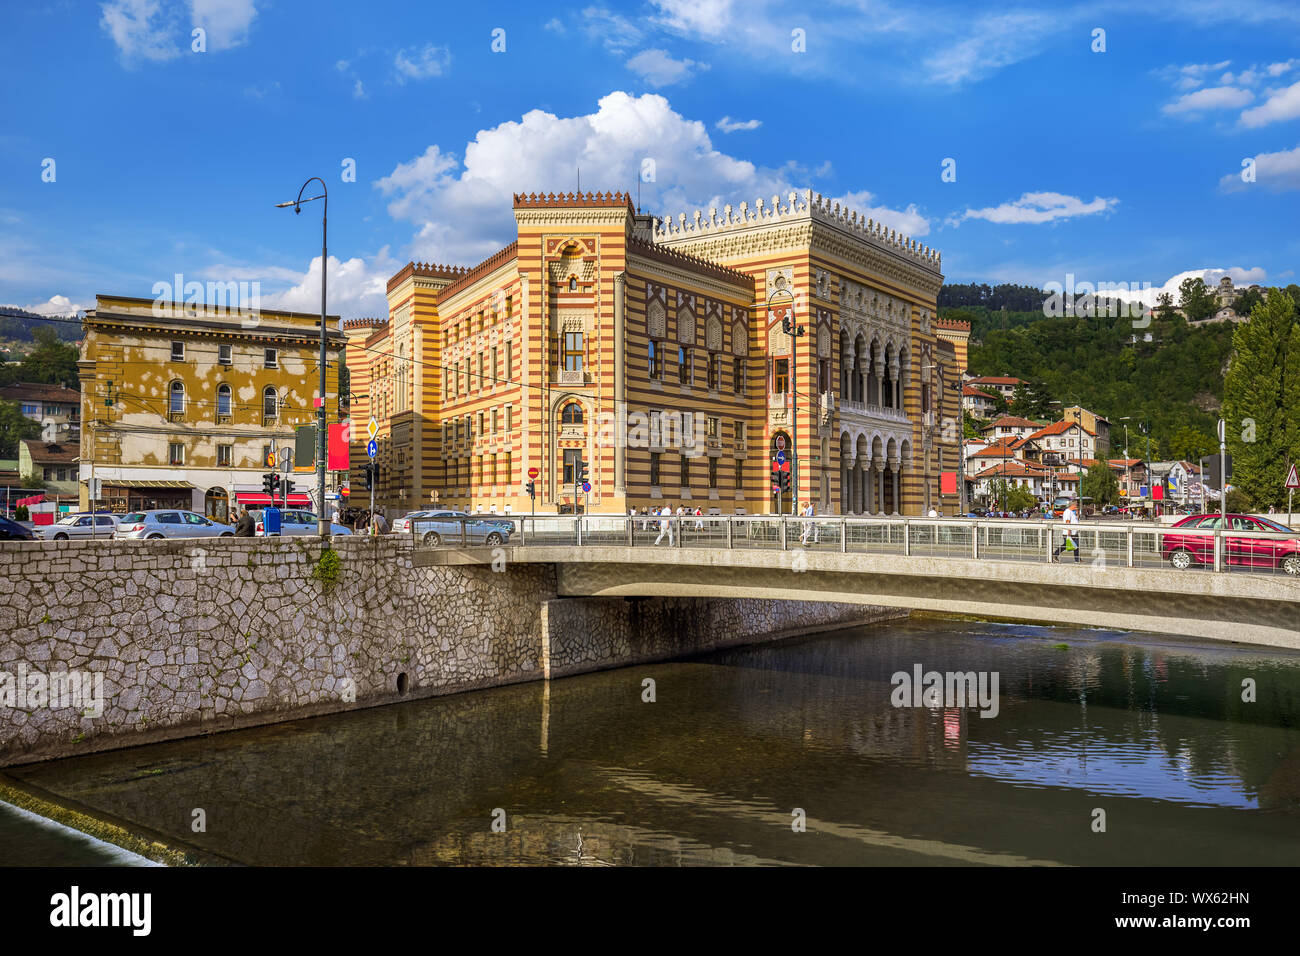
(181, 404)
(650, 354)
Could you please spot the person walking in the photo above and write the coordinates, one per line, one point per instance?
(1069, 540)
(665, 526)
(244, 526)
(699, 518)
(809, 526)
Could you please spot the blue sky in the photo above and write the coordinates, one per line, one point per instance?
(1116, 166)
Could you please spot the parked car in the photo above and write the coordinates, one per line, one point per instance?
(169, 523)
(433, 527)
(13, 531)
(297, 522)
(1182, 551)
(81, 526)
(402, 525)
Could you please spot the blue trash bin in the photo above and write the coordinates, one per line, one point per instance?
(271, 521)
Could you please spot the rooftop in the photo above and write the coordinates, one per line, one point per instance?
(805, 205)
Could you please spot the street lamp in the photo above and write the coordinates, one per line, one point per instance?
(322, 523)
(794, 331)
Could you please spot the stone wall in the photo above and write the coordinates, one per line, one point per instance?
(206, 635)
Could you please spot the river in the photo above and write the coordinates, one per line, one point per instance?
(1106, 748)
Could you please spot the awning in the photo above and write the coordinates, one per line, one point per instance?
(263, 500)
(33, 500)
(146, 483)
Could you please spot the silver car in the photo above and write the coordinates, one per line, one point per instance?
(433, 527)
(170, 523)
(81, 526)
(297, 522)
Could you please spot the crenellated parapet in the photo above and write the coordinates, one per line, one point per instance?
(798, 207)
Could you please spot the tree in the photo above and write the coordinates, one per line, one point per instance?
(14, 426)
(1100, 484)
(1247, 301)
(1196, 300)
(999, 400)
(52, 361)
(1020, 498)
(1032, 400)
(1189, 444)
(1261, 399)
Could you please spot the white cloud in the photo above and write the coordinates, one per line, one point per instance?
(706, 18)
(355, 287)
(56, 305)
(227, 22)
(554, 25)
(1277, 69)
(150, 30)
(1282, 105)
(615, 32)
(358, 91)
(1240, 278)
(1210, 98)
(462, 210)
(1189, 76)
(658, 68)
(422, 63)
(729, 125)
(142, 29)
(908, 221)
(991, 43)
(1278, 171)
(1038, 208)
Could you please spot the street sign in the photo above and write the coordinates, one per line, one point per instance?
(780, 442)
(372, 429)
(1292, 478)
(285, 457)
(371, 448)
(586, 486)
(270, 459)
(780, 455)
(533, 473)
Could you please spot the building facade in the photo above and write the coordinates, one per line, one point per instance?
(655, 354)
(181, 405)
(56, 407)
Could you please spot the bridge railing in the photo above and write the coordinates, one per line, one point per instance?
(1100, 545)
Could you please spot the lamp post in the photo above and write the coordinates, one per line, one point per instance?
(794, 331)
(322, 523)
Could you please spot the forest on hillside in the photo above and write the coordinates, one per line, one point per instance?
(19, 325)
(1174, 381)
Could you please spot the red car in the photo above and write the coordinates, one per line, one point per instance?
(1182, 551)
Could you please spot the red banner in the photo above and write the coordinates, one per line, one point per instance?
(947, 482)
(339, 436)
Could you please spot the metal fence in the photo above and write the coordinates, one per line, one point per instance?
(1100, 545)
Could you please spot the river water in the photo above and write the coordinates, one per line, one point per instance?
(1107, 748)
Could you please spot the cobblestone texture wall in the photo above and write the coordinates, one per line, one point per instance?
(200, 636)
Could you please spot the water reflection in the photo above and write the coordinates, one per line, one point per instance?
(738, 741)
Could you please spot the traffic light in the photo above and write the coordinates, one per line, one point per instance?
(268, 484)
(582, 471)
(288, 486)
(1215, 478)
(785, 323)
(370, 476)
(275, 484)
(785, 480)
(531, 488)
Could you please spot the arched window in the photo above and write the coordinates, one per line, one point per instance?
(176, 402)
(223, 400)
(269, 403)
(573, 284)
(572, 414)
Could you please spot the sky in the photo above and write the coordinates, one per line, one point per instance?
(1119, 142)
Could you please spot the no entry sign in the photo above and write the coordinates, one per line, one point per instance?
(533, 473)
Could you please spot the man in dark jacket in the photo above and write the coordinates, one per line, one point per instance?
(244, 526)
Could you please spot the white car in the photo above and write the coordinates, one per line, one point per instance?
(169, 523)
(81, 526)
(297, 522)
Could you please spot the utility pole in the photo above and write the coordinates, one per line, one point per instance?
(1223, 473)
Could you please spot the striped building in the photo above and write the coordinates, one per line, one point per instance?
(654, 353)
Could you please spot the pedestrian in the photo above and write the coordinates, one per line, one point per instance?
(699, 519)
(1069, 540)
(334, 515)
(665, 526)
(244, 526)
(809, 526)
